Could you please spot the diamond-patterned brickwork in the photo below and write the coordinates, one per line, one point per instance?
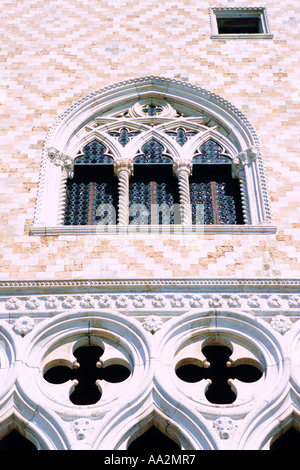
(66, 53)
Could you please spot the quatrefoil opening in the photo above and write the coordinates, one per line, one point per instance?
(87, 372)
(219, 371)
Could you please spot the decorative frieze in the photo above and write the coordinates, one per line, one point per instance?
(133, 303)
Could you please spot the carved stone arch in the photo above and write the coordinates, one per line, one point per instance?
(8, 358)
(288, 407)
(292, 422)
(252, 339)
(114, 149)
(53, 341)
(43, 432)
(163, 423)
(16, 423)
(181, 96)
(171, 147)
(152, 412)
(211, 134)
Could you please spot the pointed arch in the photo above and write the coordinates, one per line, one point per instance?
(127, 102)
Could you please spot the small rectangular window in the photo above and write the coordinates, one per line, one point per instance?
(239, 23)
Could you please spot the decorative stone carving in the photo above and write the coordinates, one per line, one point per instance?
(81, 427)
(162, 110)
(183, 170)
(177, 301)
(196, 301)
(152, 324)
(122, 301)
(62, 160)
(69, 302)
(104, 301)
(123, 164)
(23, 325)
(280, 302)
(253, 301)
(245, 158)
(32, 303)
(87, 302)
(274, 301)
(158, 301)
(281, 323)
(146, 114)
(234, 301)
(12, 304)
(139, 302)
(51, 302)
(224, 426)
(215, 301)
(294, 301)
(123, 169)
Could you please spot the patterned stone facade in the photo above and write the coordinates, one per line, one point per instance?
(67, 53)
(53, 54)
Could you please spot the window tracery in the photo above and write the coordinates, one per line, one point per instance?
(212, 202)
(156, 129)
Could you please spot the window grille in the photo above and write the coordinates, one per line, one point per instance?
(91, 196)
(215, 195)
(153, 191)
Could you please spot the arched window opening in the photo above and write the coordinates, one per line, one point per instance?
(215, 195)
(87, 371)
(15, 441)
(177, 113)
(153, 189)
(153, 440)
(289, 440)
(91, 195)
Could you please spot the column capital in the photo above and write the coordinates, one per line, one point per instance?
(123, 165)
(243, 159)
(182, 166)
(62, 160)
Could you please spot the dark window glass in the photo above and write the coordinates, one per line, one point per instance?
(242, 25)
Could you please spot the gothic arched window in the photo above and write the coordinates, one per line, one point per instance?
(91, 195)
(215, 194)
(153, 189)
(158, 143)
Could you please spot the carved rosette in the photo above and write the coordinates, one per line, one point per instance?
(23, 325)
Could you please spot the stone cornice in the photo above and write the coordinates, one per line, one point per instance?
(267, 285)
